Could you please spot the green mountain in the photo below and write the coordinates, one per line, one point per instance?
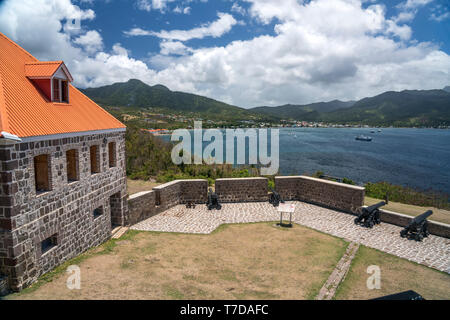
(137, 94)
(304, 112)
(406, 108)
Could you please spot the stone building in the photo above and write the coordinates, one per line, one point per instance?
(62, 168)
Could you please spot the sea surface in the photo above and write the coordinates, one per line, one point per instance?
(418, 158)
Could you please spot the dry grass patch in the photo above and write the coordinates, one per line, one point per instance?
(439, 215)
(135, 186)
(397, 275)
(251, 261)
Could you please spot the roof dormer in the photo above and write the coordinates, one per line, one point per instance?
(52, 78)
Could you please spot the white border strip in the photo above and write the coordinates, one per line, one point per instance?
(70, 135)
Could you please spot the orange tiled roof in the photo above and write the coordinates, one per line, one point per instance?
(42, 68)
(24, 110)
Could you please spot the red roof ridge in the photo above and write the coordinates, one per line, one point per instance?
(44, 62)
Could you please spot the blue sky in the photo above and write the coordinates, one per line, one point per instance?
(244, 52)
(115, 16)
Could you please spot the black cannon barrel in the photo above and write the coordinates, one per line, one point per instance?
(375, 206)
(422, 217)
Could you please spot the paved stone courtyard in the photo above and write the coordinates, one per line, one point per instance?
(433, 251)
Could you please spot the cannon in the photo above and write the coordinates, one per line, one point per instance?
(418, 227)
(213, 201)
(407, 295)
(275, 198)
(190, 205)
(370, 216)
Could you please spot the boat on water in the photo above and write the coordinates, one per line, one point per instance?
(363, 138)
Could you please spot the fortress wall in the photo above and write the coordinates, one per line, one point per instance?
(340, 196)
(242, 189)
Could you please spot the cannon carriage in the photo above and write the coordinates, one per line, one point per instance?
(370, 216)
(275, 198)
(417, 229)
(213, 201)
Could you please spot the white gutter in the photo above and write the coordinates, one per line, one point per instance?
(10, 137)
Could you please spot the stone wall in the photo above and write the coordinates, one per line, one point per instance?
(65, 213)
(181, 191)
(242, 189)
(326, 193)
(4, 286)
(144, 205)
(141, 206)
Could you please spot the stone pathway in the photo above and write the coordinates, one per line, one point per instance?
(338, 275)
(433, 251)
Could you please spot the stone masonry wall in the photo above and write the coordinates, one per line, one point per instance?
(242, 189)
(194, 191)
(141, 206)
(144, 205)
(330, 194)
(4, 286)
(65, 212)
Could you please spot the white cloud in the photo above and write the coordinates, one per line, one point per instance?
(320, 50)
(148, 5)
(440, 12)
(174, 47)
(412, 4)
(408, 9)
(37, 26)
(91, 41)
(238, 9)
(214, 29)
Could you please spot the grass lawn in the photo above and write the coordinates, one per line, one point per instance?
(397, 275)
(439, 215)
(247, 261)
(135, 186)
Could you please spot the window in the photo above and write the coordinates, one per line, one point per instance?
(60, 90)
(72, 165)
(56, 89)
(112, 154)
(95, 159)
(49, 243)
(64, 92)
(42, 172)
(98, 212)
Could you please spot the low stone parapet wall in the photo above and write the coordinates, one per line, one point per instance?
(402, 220)
(340, 196)
(146, 204)
(194, 191)
(242, 189)
(141, 206)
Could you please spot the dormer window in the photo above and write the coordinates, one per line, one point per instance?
(51, 78)
(60, 91)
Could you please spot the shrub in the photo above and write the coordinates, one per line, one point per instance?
(407, 195)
